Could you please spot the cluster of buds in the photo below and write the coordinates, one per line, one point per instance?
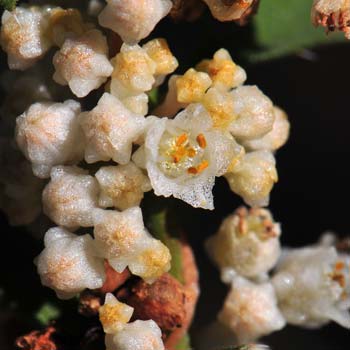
(332, 14)
(309, 286)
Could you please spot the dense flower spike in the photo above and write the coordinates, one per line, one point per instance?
(23, 36)
(70, 198)
(122, 186)
(332, 14)
(83, 63)
(183, 156)
(49, 134)
(245, 310)
(68, 264)
(312, 288)
(247, 243)
(122, 239)
(133, 20)
(110, 129)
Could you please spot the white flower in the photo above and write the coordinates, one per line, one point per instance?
(82, 63)
(122, 186)
(70, 198)
(250, 310)
(114, 315)
(122, 239)
(247, 242)
(110, 130)
(253, 177)
(310, 287)
(274, 139)
(68, 263)
(182, 156)
(138, 335)
(133, 20)
(49, 134)
(23, 36)
(255, 113)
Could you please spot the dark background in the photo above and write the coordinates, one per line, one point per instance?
(311, 196)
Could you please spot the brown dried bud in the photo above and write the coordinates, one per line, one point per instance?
(37, 340)
(232, 10)
(163, 301)
(188, 10)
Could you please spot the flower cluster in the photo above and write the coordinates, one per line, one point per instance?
(309, 286)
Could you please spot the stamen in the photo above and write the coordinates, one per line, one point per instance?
(181, 139)
(199, 168)
(202, 142)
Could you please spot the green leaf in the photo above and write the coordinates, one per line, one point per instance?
(47, 313)
(283, 27)
(8, 4)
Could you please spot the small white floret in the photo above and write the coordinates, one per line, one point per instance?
(49, 134)
(68, 263)
(82, 63)
(71, 196)
(247, 242)
(110, 129)
(138, 335)
(250, 310)
(23, 36)
(122, 186)
(133, 20)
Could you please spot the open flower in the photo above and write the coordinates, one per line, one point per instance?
(110, 129)
(253, 177)
(332, 14)
(68, 264)
(122, 239)
(311, 287)
(247, 243)
(183, 155)
(49, 134)
(114, 315)
(122, 186)
(274, 139)
(70, 198)
(133, 20)
(23, 36)
(138, 335)
(82, 63)
(250, 310)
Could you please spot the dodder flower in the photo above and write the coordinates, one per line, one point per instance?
(49, 134)
(68, 264)
(247, 243)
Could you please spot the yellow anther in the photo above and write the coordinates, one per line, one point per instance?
(202, 142)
